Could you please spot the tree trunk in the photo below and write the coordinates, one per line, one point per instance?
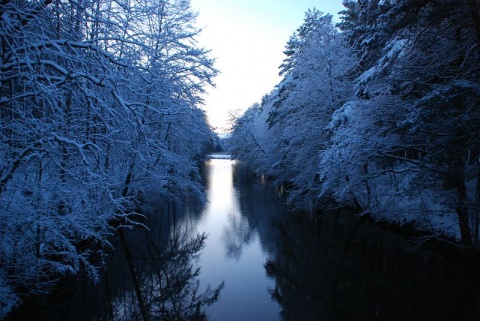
(475, 18)
(136, 283)
(128, 179)
(462, 212)
(476, 230)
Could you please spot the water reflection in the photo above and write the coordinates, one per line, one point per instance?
(164, 279)
(237, 233)
(343, 267)
(275, 265)
(152, 275)
(234, 252)
(261, 208)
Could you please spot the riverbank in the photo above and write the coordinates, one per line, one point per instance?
(420, 227)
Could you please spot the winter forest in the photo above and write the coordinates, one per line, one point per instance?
(379, 112)
(100, 109)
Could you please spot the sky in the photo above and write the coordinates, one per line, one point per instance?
(247, 39)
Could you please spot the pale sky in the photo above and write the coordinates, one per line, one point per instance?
(247, 38)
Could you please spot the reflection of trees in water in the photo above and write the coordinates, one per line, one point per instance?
(162, 277)
(237, 234)
(152, 274)
(339, 268)
(257, 209)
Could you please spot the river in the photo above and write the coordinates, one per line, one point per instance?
(243, 256)
(236, 249)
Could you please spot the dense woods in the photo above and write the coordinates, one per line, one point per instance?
(379, 112)
(99, 105)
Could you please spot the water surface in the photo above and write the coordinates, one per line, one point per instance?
(243, 256)
(234, 251)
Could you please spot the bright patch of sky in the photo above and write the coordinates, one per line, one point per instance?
(247, 38)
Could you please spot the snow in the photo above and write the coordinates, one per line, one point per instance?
(394, 51)
(87, 127)
(427, 209)
(340, 116)
(379, 140)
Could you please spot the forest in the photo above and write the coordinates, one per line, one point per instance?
(380, 113)
(99, 109)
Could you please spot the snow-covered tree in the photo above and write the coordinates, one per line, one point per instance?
(311, 91)
(99, 103)
(383, 114)
(364, 25)
(405, 143)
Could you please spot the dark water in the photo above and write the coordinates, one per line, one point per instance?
(256, 261)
